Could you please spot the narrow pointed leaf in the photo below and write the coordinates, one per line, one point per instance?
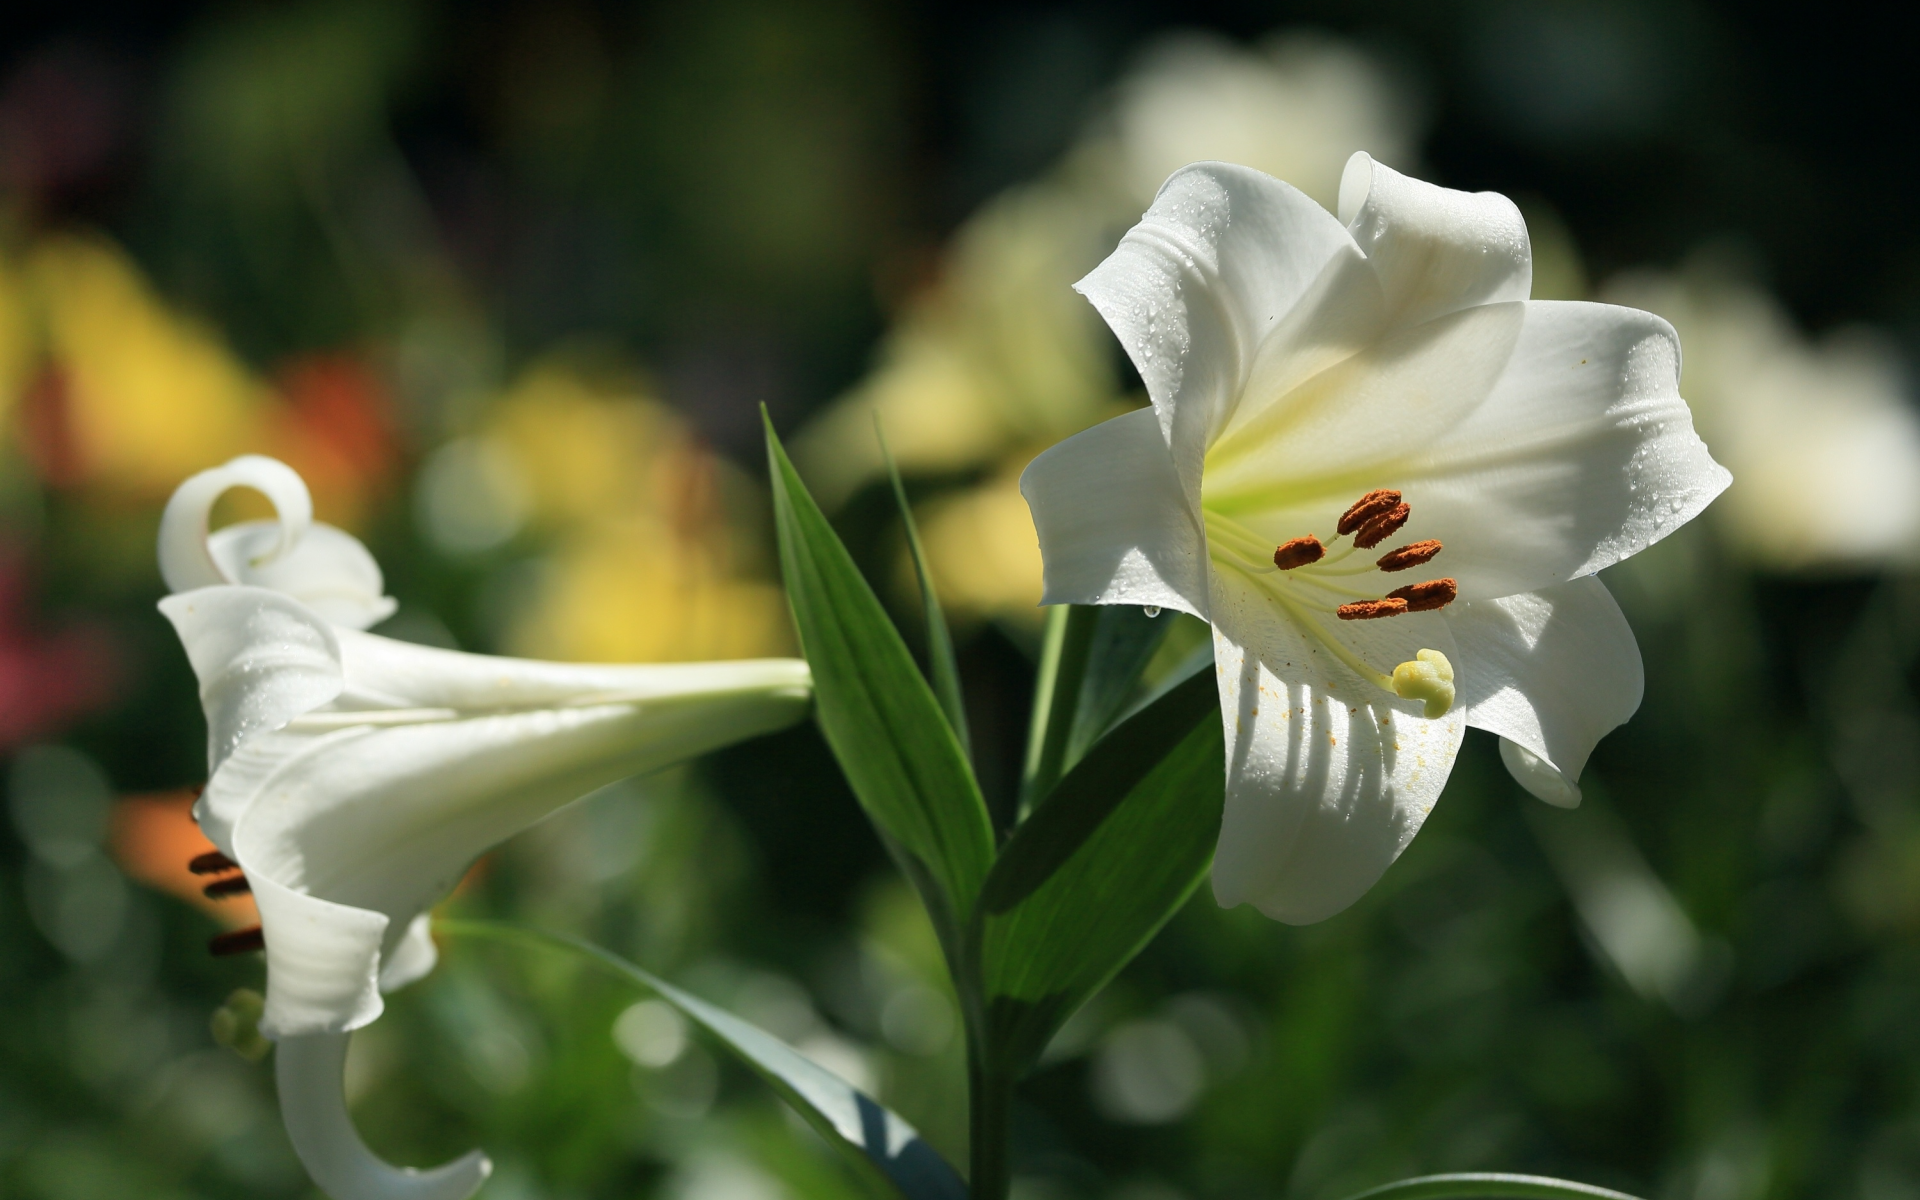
(1102, 864)
(879, 715)
(872, 1138)
(945, 671)
(1489, 1186)
(1056, 696)
(1124, 640)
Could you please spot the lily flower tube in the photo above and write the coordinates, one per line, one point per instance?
(353, 778)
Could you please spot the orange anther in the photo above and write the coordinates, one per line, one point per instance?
(232, 885)
(1382, 526)
(210, 863)
(1434, 593)
(1367, 610)
(1366, 508)
(237, 942)
(1410, 555)
(1298, 552)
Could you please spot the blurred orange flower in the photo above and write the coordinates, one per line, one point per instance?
(154, 838)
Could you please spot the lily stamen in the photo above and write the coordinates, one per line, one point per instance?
(1421, 597)
(239, 941)
(1382, 526)
(1375, 503)
(211, 863)
(1412, 554)
(1368, 610)
(1298, 552)
(220, 889)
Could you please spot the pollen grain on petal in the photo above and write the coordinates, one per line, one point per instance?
(1382, 526)
(1298, 552)
(1410, 555)
(1420, 597)
(1367, 610)
(239, 941)
(1367, 507)
(211, 863)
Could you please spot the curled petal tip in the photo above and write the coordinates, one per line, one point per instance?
(308, 1072)
(1540, 777)
(186, 559)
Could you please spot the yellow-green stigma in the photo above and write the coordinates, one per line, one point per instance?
(1428, 677)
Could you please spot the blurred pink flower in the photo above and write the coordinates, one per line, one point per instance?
(48, 677)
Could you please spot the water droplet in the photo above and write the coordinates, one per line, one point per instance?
(1151, 610)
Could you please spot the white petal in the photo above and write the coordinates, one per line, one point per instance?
(1328, 776)
(413, 958)
(1540, 777)
(1326, 421)
(1550, 671)
(261, 658)
(1435, 250)
(323, 959)
(328, 570)
(351, 823)
(383, 672)
(311, 1083)
(1583, 455)
(1114, 526)
(1580, 452)
(1191, 291)
(185, 560)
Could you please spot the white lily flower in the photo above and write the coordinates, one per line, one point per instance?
(1321, 385)
(354, 778)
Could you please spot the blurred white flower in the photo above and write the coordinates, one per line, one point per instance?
(1296, 107)
(1296, 361)
(1822, 436)
(355, 778)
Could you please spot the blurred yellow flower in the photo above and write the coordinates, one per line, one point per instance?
(16, 342)
(998, 351)
(656, 556)
(982, 549)
(1821, 438)
(147, 395)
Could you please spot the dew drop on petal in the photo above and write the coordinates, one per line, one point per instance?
(1151, 610)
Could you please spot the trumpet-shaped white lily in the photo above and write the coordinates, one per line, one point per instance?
(354, 778)
(1386, 478)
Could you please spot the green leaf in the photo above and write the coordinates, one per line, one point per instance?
(1487, 1187)
(1123, 642)
(871, 1138)
(946, 672)
(1056, 695)
(1098, 784)
(1100, 866)
(877, 712)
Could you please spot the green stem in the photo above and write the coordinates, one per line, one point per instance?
(1056, 694)
(1489, 1187)
(990, 1113)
